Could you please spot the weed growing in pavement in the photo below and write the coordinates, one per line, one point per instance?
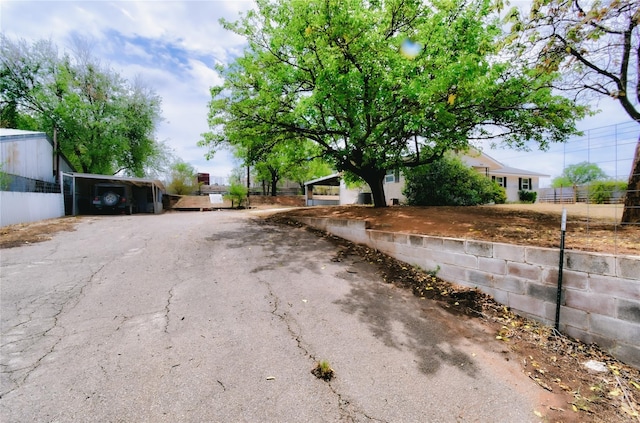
(323, 371)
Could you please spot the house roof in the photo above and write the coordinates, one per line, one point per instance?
(506, 170)
(495, 167)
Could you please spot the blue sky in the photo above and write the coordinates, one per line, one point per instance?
(174, 45)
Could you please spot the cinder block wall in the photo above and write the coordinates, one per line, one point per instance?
(601, 292)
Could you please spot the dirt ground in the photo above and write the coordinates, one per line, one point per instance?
(554, 362)
(589, 227)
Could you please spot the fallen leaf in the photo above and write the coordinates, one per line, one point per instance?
(615, 393)
(537, 413)
(629, 411)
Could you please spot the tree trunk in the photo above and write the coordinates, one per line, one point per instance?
(631, 212)
(377, 190)
(274, 185)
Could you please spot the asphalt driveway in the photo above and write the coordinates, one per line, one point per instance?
(216, 317)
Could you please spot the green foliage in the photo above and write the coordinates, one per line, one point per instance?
(308, 170)
(433, 272)
(323, 370)
(5, 179)
(287, 160)
(449, 182)
(528, 197)
(499, 194)
(183, 179)
(237, 194)
(603, 192)
(579, 174)
(561, 181)
(335, 73)
(103, 123)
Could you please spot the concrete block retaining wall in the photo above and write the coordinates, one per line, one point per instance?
(601, 292)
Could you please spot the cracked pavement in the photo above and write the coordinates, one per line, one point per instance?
(219, 317)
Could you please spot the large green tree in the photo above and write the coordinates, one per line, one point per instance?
(381, 84)
(595, 47)
(102, 123)
(276, 160)
(182, 178)
(579, 174)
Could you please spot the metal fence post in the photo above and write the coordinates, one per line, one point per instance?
(563, 229)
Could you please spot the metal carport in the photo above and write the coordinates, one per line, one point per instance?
(78, 189)
(324, 200)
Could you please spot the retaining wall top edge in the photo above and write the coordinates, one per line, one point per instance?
(366, 225)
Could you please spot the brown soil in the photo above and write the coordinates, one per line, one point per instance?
(30, 233)
(590, 230)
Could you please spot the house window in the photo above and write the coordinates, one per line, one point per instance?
(525, 183)
(392, 176)
(500, 180)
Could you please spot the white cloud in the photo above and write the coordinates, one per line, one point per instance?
(171, 45)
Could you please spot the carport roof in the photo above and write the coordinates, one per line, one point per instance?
(119, 179)
(331, 180)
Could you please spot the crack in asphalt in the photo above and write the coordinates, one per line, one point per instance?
(67, 298)
(167, 310)
(348, 411)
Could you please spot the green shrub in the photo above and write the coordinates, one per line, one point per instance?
(5, 179)
(449, 182)
(601, 192)
(237, 194)
(499, 194)
(527, 196)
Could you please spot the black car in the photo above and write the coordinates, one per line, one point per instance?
(112, 197)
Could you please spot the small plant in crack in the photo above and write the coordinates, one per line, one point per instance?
(323, 371)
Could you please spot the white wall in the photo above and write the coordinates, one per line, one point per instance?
(31, 157)
(394, 190)
(348, 195)
(24, 207)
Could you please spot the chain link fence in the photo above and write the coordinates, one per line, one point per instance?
(595, 208)
(17, 183)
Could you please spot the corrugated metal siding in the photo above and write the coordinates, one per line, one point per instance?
(29, 157)
(25, 207)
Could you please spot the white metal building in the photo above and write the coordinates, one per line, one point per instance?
(37, 184)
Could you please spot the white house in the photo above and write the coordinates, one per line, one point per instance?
(511, 178)
(333, 190)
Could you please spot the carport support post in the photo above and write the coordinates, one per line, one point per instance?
(563, 229)
(154, 198)
(74, 206)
